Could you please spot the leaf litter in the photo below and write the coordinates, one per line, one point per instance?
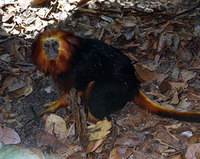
(161, 36)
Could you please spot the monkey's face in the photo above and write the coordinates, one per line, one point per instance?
(51, 48)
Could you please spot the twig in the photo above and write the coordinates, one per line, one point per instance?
(166, 22)
(79, 116)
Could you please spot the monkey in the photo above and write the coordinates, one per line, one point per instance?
(102, 74)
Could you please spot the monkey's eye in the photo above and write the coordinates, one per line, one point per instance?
(45, 45)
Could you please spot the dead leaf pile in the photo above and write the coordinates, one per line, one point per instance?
(161, 36)
(9, 136)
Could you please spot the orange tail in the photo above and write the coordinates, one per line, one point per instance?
(142, 100)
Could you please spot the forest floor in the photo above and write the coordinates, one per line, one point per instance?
(162, 38)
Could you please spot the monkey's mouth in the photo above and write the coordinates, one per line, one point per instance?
(52, 55)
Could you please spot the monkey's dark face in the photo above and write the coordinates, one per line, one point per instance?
(51, 48)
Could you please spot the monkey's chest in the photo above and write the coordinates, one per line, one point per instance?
(64, 82)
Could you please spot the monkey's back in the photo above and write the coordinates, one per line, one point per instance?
(112, 71)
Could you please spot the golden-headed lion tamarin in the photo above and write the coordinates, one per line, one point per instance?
(75, 62)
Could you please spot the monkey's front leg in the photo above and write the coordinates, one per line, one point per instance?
(59, 103)
(53, 106)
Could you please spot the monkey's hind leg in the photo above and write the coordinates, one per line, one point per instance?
(53, 106)
(107, 97)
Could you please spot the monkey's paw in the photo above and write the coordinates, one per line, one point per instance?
(53, 106)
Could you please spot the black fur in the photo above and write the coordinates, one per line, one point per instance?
(112, 71)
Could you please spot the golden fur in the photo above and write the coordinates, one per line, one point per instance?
(67, 43)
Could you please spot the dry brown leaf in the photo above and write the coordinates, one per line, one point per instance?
(147, 75)
(131, 120)
(165, 137)
(196, 64)
(145, 45)
(113, 154)
(161, 148)
(26, 90)
(177, 157)
(156, 94)
(99, 130)
(187, 75)
(126, 23)
(178, 85)
(46, 139)
(173, 126)
(128, 141)
(175, 98)
(120, 152)
(194, 139)
(56, 125)
(193, 97)
(76, 155)
(93, 145)
(9, 136)
(72, 151)
(193, 151)
(12, 84)
(162, 42)
(175, 87)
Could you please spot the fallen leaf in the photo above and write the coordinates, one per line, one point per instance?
(193, 151)
(128, 141)
(93, 145)
(9, 136)
(46, 139)
(12, 84)
(76, 154)
(147, 75)
(26, 90)
(196, 64)
(162, 42)
(59, 126)
(193, 138)
(175, 98)
(161, 148)
(187, 75)
(173, 126)
(177, 157)
(99, 130)
(131, 120)
(113, 154)
(72, 152)
(165, 137)
(120, 152)
(193, 97)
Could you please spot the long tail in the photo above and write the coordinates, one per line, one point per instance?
(142, 100)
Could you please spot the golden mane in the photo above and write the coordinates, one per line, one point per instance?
(62, 63)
